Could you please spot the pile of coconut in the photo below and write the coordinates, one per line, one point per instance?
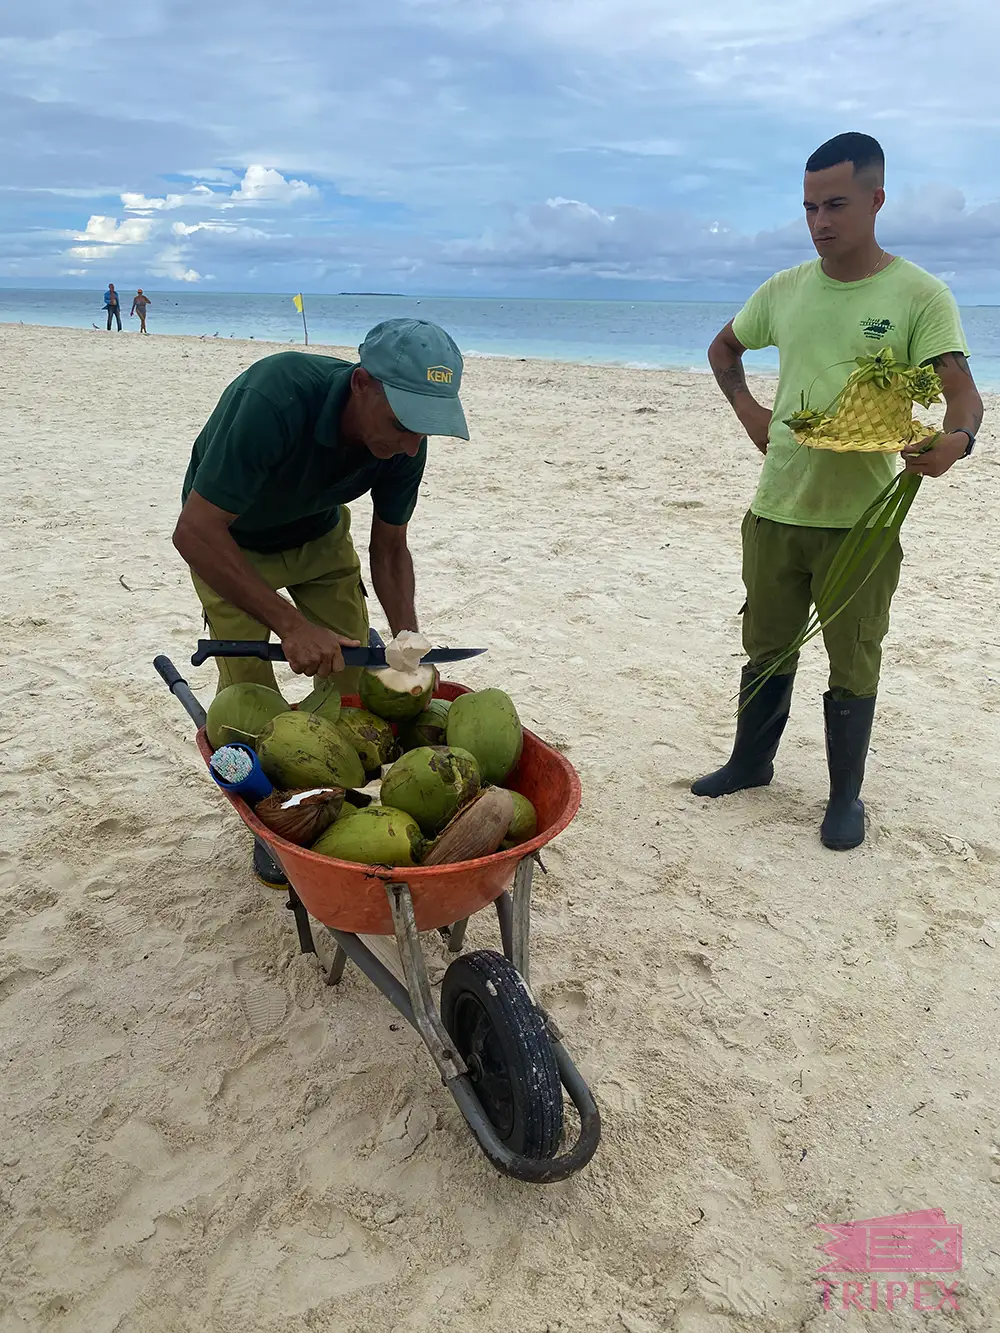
(441, 765)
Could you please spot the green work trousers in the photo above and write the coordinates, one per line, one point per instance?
(323, 579)
(783, 570)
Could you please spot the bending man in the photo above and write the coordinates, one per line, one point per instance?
(291, 442)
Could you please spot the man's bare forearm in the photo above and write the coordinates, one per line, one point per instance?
(727, 367)
(965, 411)
(219, 561)
(732, 380)
(395, 587)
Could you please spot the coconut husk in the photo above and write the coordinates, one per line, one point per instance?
(300, 816)
(477, 830)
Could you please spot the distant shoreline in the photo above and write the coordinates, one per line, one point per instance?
(74, 330)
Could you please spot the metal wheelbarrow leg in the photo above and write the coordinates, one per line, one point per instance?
(462, 1080)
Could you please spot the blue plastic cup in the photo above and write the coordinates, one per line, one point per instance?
(255, 786)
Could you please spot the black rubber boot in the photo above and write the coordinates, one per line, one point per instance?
(848, 731)
(758, 731)
(266, 868)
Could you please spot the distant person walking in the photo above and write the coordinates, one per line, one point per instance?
(113, 306)
(139, 304)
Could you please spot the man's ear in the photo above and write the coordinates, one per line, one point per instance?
(879, 200)
(360, 380)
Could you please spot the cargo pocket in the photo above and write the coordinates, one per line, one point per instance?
(866, 661)
(873, 629)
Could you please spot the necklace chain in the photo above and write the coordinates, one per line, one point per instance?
(881, 256)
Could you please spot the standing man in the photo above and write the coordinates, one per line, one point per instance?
(851, 301)
(112, 306)
(139, 304)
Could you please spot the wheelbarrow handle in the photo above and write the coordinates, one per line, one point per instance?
(179, 687)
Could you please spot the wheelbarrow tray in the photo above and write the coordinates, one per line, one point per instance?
(348, 897)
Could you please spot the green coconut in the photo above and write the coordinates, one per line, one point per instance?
(372, 738)
(324, 701)
(299, 750)
(241, 712)
(487, 725)
(524, 824)
(397, 696)
(427, 728)
(377, 836)
(431, 784)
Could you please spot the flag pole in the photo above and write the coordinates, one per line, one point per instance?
(300, 306)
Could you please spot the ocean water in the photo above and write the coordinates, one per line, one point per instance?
(654, 334)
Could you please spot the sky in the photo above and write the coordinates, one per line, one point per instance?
(568, 148)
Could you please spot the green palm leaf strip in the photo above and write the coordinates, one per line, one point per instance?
(859, 556)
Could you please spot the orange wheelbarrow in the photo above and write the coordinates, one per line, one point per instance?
(500, 1055)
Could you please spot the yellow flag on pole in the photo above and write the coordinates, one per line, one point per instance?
(297, 300)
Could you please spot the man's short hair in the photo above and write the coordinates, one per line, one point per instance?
(862, 151)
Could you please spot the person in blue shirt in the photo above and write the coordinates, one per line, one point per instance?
(113, 306)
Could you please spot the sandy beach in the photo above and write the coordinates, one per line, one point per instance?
(199, 1136)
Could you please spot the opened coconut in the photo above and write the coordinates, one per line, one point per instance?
(372, 738)
(524, 821)
(486, 724)
(240, 713)
(300, 816)
(431, 784)
(427, 728)
(403, 688)
(378, 836)
(397, 695)
(477, 830)
(301, 750)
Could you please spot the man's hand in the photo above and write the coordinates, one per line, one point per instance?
(311, 650)
(933, 456)
(755, 420)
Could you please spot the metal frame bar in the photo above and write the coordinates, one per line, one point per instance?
(454, 935)
(521, 926)
(336, 972)
(294, 905)
(426, 1018)
(376, 972)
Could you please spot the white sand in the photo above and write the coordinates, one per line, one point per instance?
(200, 1136)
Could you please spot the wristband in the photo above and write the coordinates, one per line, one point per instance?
(960, 430)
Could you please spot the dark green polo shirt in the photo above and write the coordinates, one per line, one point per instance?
(271, 453)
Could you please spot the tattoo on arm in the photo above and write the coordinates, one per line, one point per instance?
(962, 397)
(957, 359)
(732, 381)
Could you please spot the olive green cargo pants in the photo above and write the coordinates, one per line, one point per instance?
(323, 579)
(783, 569)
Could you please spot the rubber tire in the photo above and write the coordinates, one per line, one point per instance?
(486, 1008)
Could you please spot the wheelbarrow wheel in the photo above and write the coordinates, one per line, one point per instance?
(500, 1034)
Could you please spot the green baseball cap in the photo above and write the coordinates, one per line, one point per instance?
(420, 369)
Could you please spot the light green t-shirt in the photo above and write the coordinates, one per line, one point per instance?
(819, 326)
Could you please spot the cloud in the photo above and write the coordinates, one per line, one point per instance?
(259, 185)
(567, 238)
(106, 231)
(484, 144)
(198, 197)
(265, 185)
(171, 262)
(105, 236)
